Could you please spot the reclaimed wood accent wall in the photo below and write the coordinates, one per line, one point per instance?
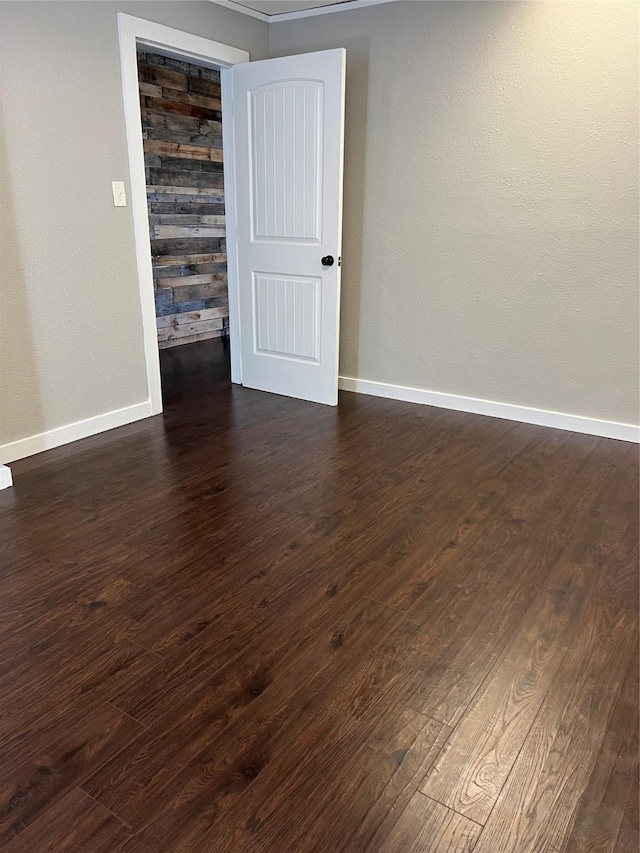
(182, 133)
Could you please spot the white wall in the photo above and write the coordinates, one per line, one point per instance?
(70, 326)
(491, 199)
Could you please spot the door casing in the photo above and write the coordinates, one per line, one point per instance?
(175, 44)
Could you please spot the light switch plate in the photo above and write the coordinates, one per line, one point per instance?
(119, 194)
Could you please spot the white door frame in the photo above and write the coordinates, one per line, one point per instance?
(211, 54)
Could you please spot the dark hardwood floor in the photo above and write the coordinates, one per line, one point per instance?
(257, 624)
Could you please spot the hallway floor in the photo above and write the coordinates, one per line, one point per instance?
(259, 625)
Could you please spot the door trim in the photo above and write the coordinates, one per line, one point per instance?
(184, 46)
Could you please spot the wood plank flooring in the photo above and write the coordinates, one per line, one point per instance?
(257, 624)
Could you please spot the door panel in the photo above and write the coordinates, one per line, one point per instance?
(286, 124)
(287, 312)
(288, 128)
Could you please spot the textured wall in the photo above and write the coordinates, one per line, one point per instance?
(70, 326)
(182, 131)
(491, 199)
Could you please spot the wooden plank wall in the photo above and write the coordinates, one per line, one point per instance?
(182, 132)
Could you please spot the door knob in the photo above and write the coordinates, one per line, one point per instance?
(327, 261)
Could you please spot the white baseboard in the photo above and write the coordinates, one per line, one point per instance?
(72, 432)
(6, 479)
(120, 417)
(540, 417)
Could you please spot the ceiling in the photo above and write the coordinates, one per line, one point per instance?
(272, 8)
(279, 7)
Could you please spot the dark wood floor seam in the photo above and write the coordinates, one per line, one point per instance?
(433, 800)
(122, 711)
(102, 806)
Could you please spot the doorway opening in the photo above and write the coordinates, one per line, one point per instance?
(137, 35)
(181, 122)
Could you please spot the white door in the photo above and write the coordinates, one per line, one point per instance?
(288, 123)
